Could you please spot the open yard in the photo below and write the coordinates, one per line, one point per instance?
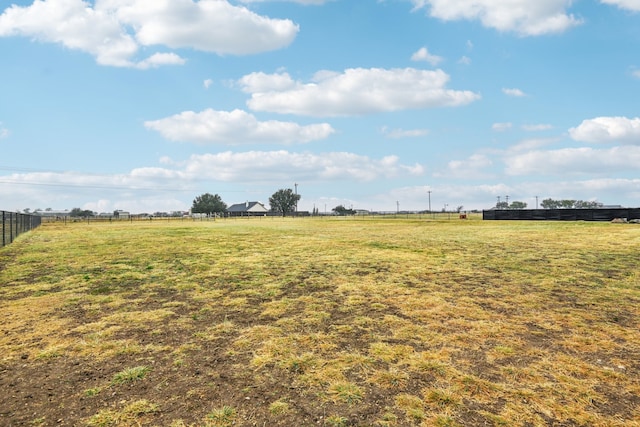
(330, 322)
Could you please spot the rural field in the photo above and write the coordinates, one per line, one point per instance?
(321, 322)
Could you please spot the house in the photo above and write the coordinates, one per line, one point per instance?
(247, 209)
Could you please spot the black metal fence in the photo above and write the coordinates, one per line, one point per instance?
(14, 224)
(600, 214)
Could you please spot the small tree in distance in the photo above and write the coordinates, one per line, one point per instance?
(342, 211)
(208, 203)
(516, 204)
(284, 201)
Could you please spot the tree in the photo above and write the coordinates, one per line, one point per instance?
(549, 204)
(516, 204)
(283, 201)
(208, 203)
(342, 211)
(502, 205)
(77, 212)
(569, 204)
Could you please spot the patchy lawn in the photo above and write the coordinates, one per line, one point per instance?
(333, 322)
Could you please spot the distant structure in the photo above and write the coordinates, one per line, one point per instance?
(247, 209)
(597, 214)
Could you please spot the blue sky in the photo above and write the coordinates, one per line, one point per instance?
(142, 105)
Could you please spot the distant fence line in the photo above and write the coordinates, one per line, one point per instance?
(268, 215)
(598, 214)
(14, 224)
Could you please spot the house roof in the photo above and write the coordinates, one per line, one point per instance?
(247, 207)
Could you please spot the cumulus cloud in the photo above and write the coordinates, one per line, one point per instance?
(633, 5)
(501, 127)
(279, 165)
(524, 17)
(608, 129)
(536, 128)
(517, 93)
(159, 59)
(355, 91)
(304, 2)
(404, 133)
(574, 161)
(207, 83)
(147, 189)
(472, 167)
(4, 132)
(114, 30)
(423, 55)
(235, 127)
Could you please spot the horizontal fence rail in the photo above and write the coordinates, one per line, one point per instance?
(14, 224)
(599, 214)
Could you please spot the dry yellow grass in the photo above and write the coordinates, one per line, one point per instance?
(324, 321)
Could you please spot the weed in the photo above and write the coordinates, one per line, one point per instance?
(92, 391)
(127, 416)
(279, 407)
(346, 392)
(104, 418)
(130, 375)
(392, 379)
(336, 421)
(412, 406)
(221, 417)
(442, 397)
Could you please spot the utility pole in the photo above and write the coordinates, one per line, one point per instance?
(429, 200)
(507, 198)
(536, 202)
(498, 204)
(296, 192)
(397, 206)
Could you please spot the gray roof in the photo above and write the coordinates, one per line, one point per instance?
(244, 207)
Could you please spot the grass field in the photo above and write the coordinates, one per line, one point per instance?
(331, 322)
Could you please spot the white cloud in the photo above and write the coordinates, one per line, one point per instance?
(473, 167)
(524, 17)
(207, 83)
(537, 128)
(304, 2)
(574, 161)
(531, 144)
(465, 60)
(283, 165)
(636, 74)
(356, 91)
(633, 5)
(501, 127)
(517, 93)
(114, 30)
(404, 133)
(234, 128)
(608, 129)
(4, 132)
(159, 59)
(423, 55)
(173, 185)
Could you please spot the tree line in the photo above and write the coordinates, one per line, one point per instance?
(552, 204)
(283, 201)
